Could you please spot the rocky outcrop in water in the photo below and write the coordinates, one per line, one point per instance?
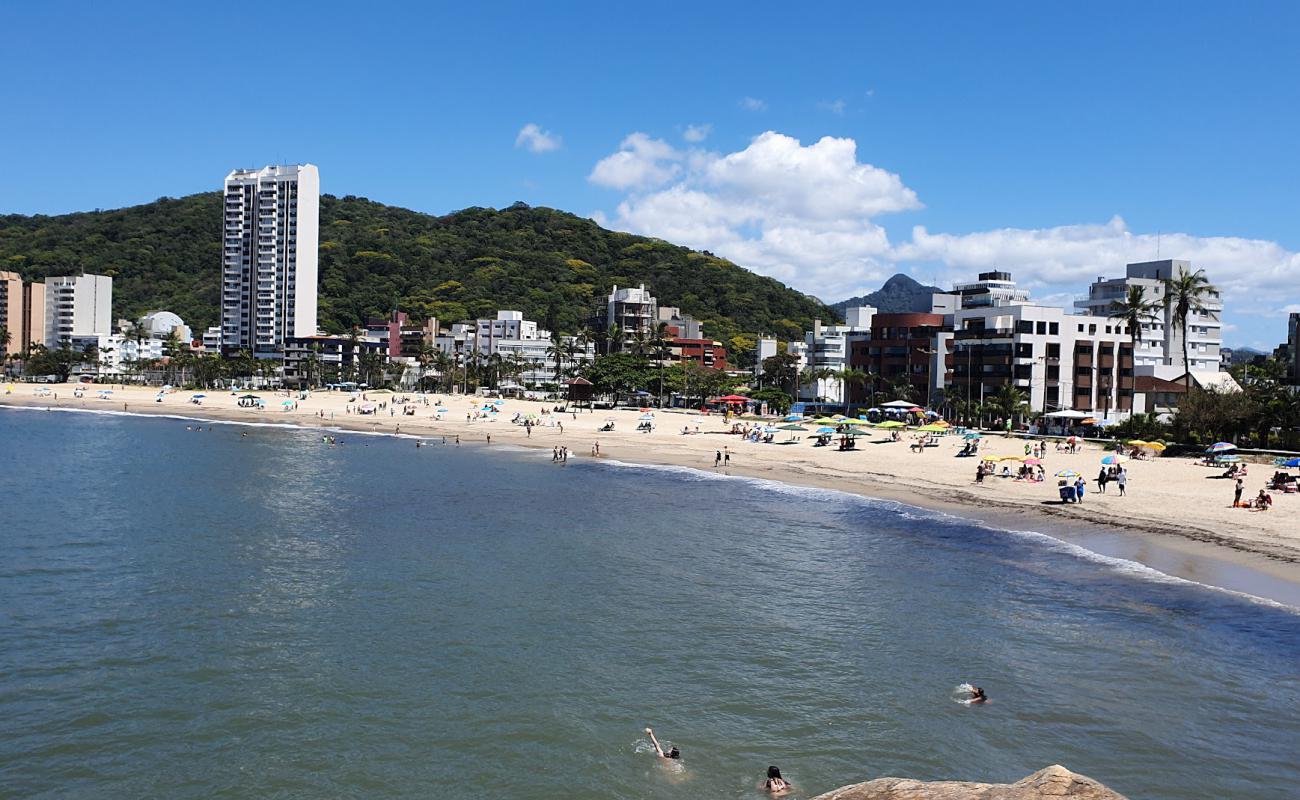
(1046, 784)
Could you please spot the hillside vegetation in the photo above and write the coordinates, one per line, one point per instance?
(551, 265)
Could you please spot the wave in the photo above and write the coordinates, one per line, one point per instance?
(1122, 566)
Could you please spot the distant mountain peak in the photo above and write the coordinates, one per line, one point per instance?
(901, 293)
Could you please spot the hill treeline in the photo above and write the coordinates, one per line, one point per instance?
(553, 266)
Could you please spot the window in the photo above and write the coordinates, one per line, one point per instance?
(1024, 326)
(1080, 327)
(1054, 328)
(1042, 328)
(1054, 350)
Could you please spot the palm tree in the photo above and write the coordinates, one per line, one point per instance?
(849, 378)
(1008, 402)
(1134, 310)
(811, 375)
(557, 351)
(1185, 294)
(659, 342)
(902, 388)
(425, 355)
(613, 338)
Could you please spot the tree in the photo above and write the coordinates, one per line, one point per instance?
(618, 373)
(1009, 402)
(556, 350)
(902, 388)
(1134, 310)
(777, 400)
(58, 362)
(782, 370)
(1185, 294)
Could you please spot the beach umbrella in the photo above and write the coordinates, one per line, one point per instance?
(839, 417)
(1114, 458)
(1157, 446)
(826, 430)
(932, 428)
(1011, 458)
(1033, 462)
(287, 403)
(499, 403)
(793, 418)
(105, 391)
(973, 435)
(1066, 473)
(823, 421)
(1227, 459)
(1136, 443)
(893, 423)
(1292, 463)
(198, 396)
(1221, 447)
(793, 427)
(647, 415)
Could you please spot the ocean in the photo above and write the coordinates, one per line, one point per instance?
(247, 611)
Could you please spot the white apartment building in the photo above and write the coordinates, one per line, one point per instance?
(1060, 360)
(828, 347)
(269, 258)
(509, 334)
(1160, 342)
(77, 306)
(633, 310)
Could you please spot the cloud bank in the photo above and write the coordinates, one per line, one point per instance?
(807, 215)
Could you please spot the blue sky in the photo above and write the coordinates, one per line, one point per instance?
(1054, 140)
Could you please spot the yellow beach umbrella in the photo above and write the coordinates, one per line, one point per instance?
(932, 429)
(1157, 446)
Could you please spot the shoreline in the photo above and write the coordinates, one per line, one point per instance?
(1263, 567)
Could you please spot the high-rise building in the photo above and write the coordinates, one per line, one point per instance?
(269, 254)
(77, 306)
(22, 312)
(1160, 342)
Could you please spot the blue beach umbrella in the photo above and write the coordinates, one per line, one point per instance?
(1220, 447)
(1114, 459)
(1293, 463)
(826, 430)
(1067, 473)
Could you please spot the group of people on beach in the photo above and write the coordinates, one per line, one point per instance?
(559, 455)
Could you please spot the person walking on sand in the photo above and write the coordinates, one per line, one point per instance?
(726, 456)
(1102, 478)
(1121, 480)
(1236, 493)
(1080, 486)
(717, 459)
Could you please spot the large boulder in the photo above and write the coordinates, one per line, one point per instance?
(1053, 782)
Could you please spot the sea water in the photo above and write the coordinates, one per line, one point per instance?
(196, 614)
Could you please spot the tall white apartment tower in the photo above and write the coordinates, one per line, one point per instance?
(268, 258)
(77, 306)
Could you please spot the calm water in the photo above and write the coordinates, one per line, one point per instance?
(188, 614)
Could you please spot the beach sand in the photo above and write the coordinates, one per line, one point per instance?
(1170, 500)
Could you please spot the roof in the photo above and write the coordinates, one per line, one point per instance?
(1219, 381)
(580, 382)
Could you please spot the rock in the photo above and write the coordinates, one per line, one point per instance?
(1052, 782)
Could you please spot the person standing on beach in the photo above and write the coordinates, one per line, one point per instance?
(1236, 494)
(1080, 486)
(726, 456)
(1102, 477)
(1121, 480)
(717, 460)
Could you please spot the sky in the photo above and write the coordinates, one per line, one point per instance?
(827, 145)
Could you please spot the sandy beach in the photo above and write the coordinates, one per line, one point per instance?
(1167, 498)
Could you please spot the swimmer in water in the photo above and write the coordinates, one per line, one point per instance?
(671, 754)
(978, 696)
(775, 784)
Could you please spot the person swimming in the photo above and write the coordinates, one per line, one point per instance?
(672, 753)
(978, 696)
(775, 784)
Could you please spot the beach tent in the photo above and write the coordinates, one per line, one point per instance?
(1067, 414)
(735, 399)
(903, 404)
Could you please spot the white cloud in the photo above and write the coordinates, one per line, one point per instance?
(798, 212)
(697, 133)
(834, 106)
(640, 163)
(752, 104)
(534, 139)
(806, 215)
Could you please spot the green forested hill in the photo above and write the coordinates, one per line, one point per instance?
(551, 265)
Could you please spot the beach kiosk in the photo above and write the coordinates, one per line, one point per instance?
(581, 392)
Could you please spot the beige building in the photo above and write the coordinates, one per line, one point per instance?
(22, 312)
